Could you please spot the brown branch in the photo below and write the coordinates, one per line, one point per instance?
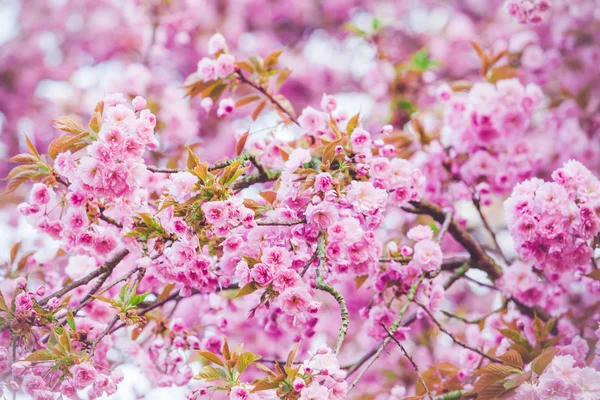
(109, 220)
(267, 95)
(479, 258)
(106, 268)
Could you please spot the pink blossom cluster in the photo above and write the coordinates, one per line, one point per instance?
(222, 66)
(486, 133)
(84, 376)
(552, 222)
(528, 11)
(562, 379)
(285, 224)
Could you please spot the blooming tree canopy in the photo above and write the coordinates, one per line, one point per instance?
(218, 212)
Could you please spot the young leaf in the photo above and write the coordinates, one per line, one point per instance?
(32, 148)
(246, 359)
(353, 123)
(209, 373)
(246, 290)
(210, 356)
(40, 356)
(71, 320)
(239, 147)
(539, 364)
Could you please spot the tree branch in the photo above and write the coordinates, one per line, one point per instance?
(321, 285)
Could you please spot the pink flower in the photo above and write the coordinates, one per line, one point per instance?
(276, 257)
(225, 65)
(138, 103)
(215, 212)
(328, 103)
(40, 194)
(240, 393)
(285, 279)
(207, 69)
(23, 302)
(216, 43)
(105, 244)
(322, 215)
(84, 375)
(181, 186)
(312, 120)
(360, 139)
(295, 301)
(314, 392)
(323, 182)
(262, 274)
(296, 159)
(365, 198)
(428, 255)
(67, 388)
(420, 232)
(226, 107)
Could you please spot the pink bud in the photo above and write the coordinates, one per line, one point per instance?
(362, 169)
(138, 103)
(338, 149)
(388, 150)
(206, 104)
(406, 251)
(21, 282)
(13, 386)
(387, 129)
(41, 291)
(177, 325)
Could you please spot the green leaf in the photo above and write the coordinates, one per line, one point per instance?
(420, 61)
(245, 360)
(246, 290)
(71, 320)
(376, 25)
(41, 355)
(139, 298)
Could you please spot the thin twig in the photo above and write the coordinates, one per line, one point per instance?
(267, 95)
(393, 330)
(107, 267)
(409, 359)
(281, 223)
(487, 226)
(455, 340)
